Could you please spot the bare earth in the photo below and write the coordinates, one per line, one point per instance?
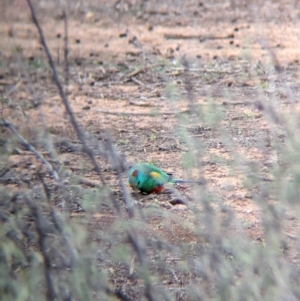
(127, 76)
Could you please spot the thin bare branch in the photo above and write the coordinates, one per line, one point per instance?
(66, 49)
(42, 237)
(13, 88)
(22, 140)
(176, 36)
(58, 223)
(117, 161)
(143, 114)
(134, 238)
(80, 133)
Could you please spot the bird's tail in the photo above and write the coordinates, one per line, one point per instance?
(185, 181)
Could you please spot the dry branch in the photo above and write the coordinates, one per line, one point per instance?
(64, 97)
(181, 70)
(66, 49)
(141, 69)
(136, 71)
(178, 36)
(141, 103)
(59, 225)
(134, 238)
(13, 88)
(143, 114)
(118, 166)
(291, 236)
(23, 141)
(137, 81)
(51, 293)
(87, 182)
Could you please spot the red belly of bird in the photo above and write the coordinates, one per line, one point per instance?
(158, 189)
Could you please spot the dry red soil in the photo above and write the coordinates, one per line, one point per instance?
(175, 85)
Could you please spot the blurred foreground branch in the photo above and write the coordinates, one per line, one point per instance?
(63, 95)
(23, 141)
(132, 235)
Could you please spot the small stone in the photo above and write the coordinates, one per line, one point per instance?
(89, 15)
(179, 208)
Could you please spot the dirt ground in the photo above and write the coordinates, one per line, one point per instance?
(128, 75)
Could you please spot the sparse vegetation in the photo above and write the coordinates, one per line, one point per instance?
(133, 82)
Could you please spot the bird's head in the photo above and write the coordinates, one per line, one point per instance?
(133, 177)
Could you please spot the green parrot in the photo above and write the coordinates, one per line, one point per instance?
(150, 179)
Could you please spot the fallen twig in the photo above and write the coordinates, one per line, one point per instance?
(141, 69)
(291, 236)
(143, 114)
(199, 70)
(141, 103)
(13, 88)
(178, 36)
(136, 71)
(137, 81)
(88, 183)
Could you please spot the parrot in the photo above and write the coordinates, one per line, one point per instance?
(150, 179)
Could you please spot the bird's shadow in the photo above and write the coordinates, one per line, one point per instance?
(176, 197)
